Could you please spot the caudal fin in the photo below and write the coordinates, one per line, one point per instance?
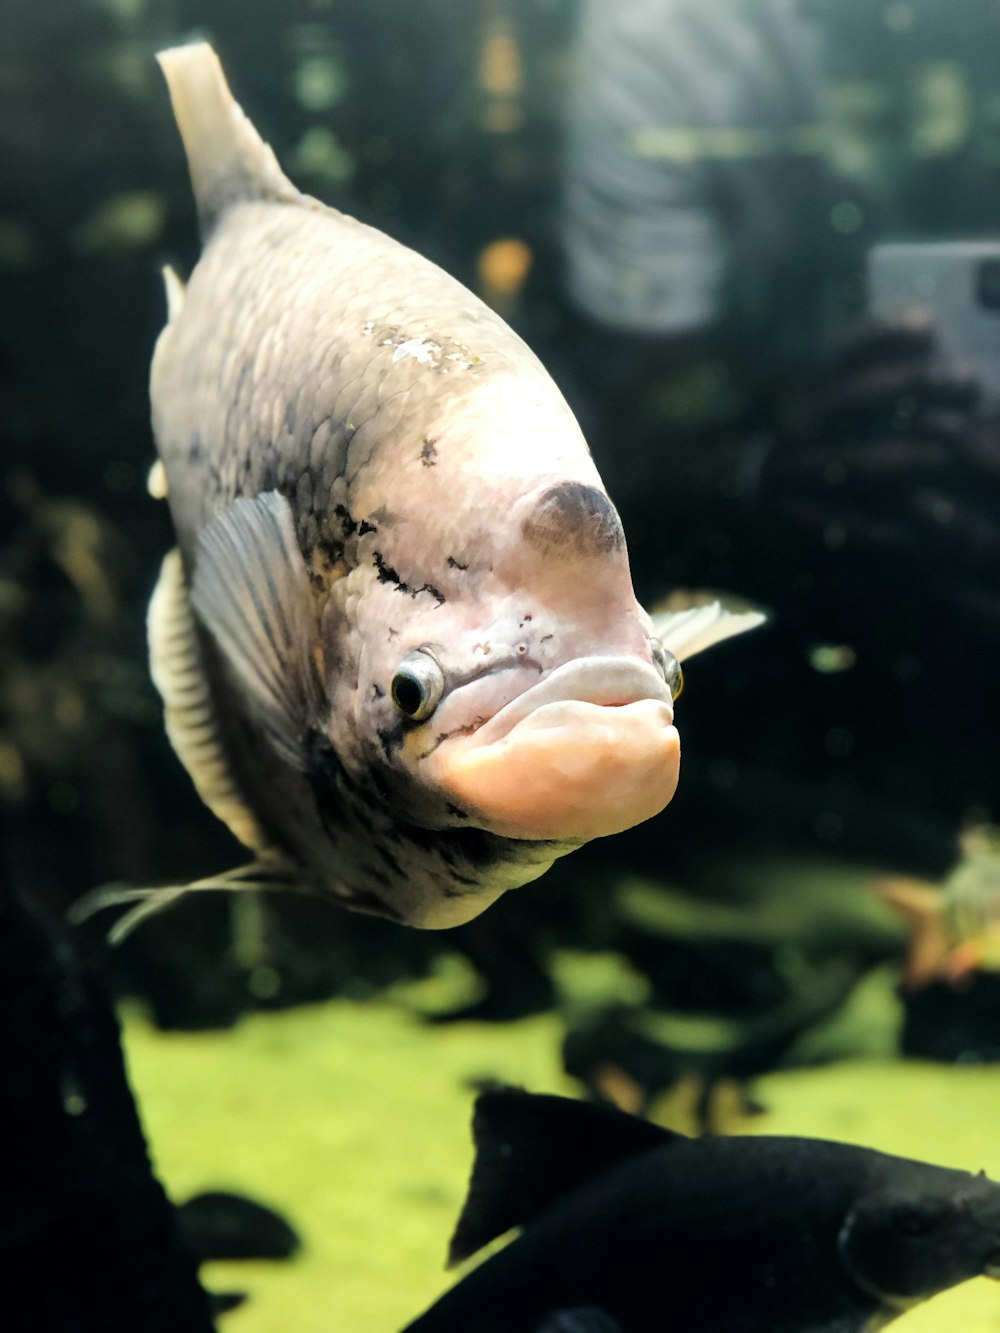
(228, 160)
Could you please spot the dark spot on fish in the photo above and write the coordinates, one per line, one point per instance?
(574, 520)
(455, 564)
(364, 526)
(428, 454)
(195, 451)
(324, 770)
(330, 553)
(545, 638)
(386, 574)
(291, 416)
(388, 859)
(454, 810)
(391, 738)
(393, 633)
(346, 522)
(462, 879)
(378, 692)
(363, 900)
(362, 817)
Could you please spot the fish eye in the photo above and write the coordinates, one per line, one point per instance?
(669, 667)
(417, 686)
(915, 1219)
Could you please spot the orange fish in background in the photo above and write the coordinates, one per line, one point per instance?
(955, 925)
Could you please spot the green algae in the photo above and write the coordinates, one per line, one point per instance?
(353, 1120)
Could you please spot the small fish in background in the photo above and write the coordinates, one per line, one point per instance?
(398, 647)
(630, 1228)
(955, 926)
(635, 1058)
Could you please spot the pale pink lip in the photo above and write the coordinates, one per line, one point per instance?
(608, 681)
(587, 752)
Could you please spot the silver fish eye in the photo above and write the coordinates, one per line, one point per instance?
(417, 686)
(668, 665)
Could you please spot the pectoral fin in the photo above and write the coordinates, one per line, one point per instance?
(251, 592)
(699, 627)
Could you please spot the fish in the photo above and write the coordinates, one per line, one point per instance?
(954, 926)
(398, 644)
(631, 1228)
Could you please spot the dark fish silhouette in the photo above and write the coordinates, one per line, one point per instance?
(632, 1229)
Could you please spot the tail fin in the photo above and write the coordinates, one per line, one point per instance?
(228, 160)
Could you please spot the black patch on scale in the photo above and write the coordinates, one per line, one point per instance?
(364, 526)
(428, 454)
(388, 859)
(456, 564)
(348, 525)
(386, 574)
(391, 738)
(574, 519)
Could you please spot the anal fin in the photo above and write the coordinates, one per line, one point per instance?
(189, 712)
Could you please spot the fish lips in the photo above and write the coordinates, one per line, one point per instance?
(589, 751)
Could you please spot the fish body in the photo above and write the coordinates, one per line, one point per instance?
(400, 651)
(632, 1229)
(955, 926)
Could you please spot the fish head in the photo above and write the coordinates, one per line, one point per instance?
(924, 1231)
(529, 697)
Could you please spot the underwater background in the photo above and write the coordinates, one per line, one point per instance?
(805, 940)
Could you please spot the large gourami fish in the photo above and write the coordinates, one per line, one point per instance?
(399, 648)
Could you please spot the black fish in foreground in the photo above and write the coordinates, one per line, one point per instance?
(633, 1229)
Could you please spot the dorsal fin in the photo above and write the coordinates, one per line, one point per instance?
(533, 1149)
(228, 160)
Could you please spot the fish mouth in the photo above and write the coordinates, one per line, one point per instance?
(608, 682)
(589, 751)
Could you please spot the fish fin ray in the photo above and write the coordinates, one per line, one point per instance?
(174, 288)
(696, 628)
(228, 160)
(175, 663)
(251, 592)
(533, 1149)
(262, 874)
